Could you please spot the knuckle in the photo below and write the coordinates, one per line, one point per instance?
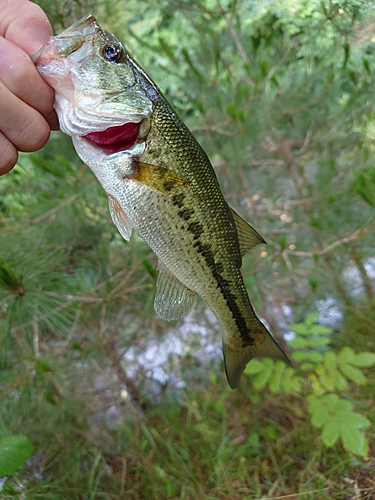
(35, 12)
(31, 133)
(34, 135)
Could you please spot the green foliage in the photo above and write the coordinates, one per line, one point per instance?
(321, 375)
(14, 451)
(9, 280)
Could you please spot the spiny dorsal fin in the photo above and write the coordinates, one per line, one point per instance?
(248, 237)
(173, 300)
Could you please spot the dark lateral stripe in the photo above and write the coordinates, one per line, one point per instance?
(185, 213)
(224, 287)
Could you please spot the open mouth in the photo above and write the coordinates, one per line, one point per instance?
(116, 139)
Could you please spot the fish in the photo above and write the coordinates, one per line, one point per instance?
(160, 183)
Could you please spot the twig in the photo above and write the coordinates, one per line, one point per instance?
(36, 337)
(293, 495)
(237, 42)
(55, 209)
(354, 237)
(214, 128)
(18, 382)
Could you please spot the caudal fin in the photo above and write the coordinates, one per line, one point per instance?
(235, 361)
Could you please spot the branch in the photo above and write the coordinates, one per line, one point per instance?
(237, 42)
(55, 209)
(354, 237)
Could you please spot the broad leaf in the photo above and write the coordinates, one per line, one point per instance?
(320, 330)
(330, 432)
(353, 374)
(255, 366)
(14, 451)
(363, 359)
(311, 318)
(354, 440)
(345, 355)
(319, 416)
(353, 419)
(299, 328)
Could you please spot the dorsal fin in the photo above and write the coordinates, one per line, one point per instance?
(248, 237)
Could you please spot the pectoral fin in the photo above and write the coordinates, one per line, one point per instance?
(248, 237)
(173, 300)
(158, 179)
(120, 219)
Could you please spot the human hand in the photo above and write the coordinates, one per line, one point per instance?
(26, 101)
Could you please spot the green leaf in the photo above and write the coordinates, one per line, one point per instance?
(299, 355)
(345, 355)
(353, 419)
(255, 366)
(296, 384)
(314, 403)
(299, 328)
(353, 374)
(307, 367)
(343, 405)
(331, 400)
(299, 342)
(318, 341)
(320, 330)
(311, 318)
(287, 379)
(330, 432)
(262, 378)
(14, 451)
(319, 416)
(363, 359)
(274, 383)
(275, 380)
(315, 357)
(327, 382)
(329, 359)
(339, 381)
(354, 440)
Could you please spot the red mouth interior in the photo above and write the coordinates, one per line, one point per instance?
(115, 139)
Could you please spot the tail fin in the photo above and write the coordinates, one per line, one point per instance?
(235, 361)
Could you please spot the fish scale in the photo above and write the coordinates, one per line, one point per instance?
(163, 186)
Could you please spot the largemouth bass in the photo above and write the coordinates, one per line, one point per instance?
(159, 182)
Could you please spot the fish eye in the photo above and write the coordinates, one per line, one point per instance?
(112, 52)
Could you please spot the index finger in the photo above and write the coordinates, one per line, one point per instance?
(25, 24)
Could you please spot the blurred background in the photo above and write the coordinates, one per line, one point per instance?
(117, 403)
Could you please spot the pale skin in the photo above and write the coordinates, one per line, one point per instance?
(26, 101)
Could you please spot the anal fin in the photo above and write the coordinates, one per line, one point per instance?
(173, 300)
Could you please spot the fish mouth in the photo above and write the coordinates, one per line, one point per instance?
(115, 139)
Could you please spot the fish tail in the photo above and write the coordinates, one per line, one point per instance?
(235, 360)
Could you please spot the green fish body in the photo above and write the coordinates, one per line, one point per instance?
(159, 182)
